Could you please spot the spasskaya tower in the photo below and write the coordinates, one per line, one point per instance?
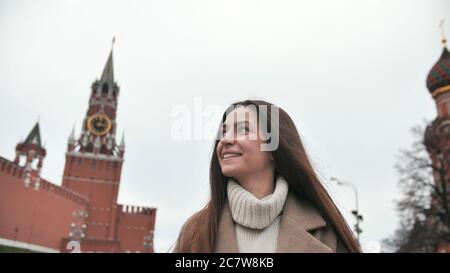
(94, 164)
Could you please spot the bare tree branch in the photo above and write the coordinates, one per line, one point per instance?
(423, 209)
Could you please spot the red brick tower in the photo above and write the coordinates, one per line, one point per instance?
(437, 134)
(94, 160)
(32, 151)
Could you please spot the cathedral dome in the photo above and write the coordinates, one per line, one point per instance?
(438, 79)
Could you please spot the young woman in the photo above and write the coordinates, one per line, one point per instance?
(264, 200)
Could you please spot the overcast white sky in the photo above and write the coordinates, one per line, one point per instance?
(350, 73)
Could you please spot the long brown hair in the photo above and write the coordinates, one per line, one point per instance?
(291, 162)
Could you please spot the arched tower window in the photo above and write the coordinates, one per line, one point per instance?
(104, 150)
(105, 89)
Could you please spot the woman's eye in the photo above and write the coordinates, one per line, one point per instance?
(239, 129)
(242, 129)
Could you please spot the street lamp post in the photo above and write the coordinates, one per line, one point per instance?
(359, 217)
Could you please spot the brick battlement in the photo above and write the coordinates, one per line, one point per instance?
(64, 192)
(137, 210)
(10, 168)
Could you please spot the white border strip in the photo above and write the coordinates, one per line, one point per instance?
(27, 246)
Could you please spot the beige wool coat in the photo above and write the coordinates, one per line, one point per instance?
(302, 229)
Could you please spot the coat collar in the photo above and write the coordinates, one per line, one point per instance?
(298, 218)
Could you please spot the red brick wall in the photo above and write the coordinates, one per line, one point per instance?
(41, 217)
(134, 224)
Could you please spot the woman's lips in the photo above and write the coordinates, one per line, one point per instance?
(229, 156)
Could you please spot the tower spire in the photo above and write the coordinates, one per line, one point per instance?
(31, 149)
(443, 39)
(108, 71)
(34, 137)
(122, 141)
(72, 138)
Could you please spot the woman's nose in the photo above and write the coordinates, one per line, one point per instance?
(228, 138)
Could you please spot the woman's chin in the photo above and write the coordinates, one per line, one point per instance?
(230, 171)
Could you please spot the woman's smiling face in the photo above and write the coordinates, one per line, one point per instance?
(239, 149)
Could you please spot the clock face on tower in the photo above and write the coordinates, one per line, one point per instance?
(99, 124)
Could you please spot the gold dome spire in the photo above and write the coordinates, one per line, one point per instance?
(443, 40)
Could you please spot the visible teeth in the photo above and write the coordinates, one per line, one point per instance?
(230, 155)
